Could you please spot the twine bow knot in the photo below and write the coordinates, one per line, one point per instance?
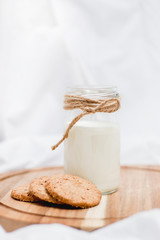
(90, 110)
(88, 106)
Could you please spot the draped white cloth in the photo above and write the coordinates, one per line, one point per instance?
(47, 45)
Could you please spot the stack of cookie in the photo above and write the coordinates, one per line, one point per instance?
(59, 189)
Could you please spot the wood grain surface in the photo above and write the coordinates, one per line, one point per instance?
(139, 190)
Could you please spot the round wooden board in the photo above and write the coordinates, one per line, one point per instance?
(139, 191)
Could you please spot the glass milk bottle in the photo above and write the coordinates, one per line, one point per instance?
(92, 148)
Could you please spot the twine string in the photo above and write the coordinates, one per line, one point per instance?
(88, 106)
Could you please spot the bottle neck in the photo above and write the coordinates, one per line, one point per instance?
(94, 92)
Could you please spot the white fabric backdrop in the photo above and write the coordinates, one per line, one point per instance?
(46, 45)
